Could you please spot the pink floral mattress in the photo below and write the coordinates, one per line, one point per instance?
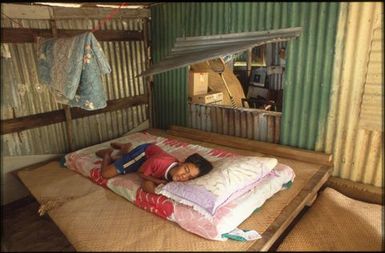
(214, 227)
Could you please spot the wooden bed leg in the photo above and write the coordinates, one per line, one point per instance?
(310, 202)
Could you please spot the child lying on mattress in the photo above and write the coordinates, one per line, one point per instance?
(153, 164)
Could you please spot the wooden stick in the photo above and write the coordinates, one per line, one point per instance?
(148, 78)
(48, 118)
(68, 117)
(27, 35)
(257, 146)
(355, 190)
(288, 214)
(305, 197)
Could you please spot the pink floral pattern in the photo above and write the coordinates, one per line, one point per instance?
(227, 217)
(96, 177)
(156, 204)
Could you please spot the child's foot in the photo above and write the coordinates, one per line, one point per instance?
(101, 153)
(123, 147)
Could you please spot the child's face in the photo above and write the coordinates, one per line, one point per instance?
(185, 172)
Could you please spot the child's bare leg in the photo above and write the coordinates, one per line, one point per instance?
(108, 169)
(101, 153)
(123, 147)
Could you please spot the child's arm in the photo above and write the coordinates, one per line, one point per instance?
(149, 183)
(155, 180)
(148, 186)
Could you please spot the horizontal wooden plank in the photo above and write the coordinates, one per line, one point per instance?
(28, 11)
(262, 147)
(48, 118)
(27, 35)
(359, 191)
(288, 214)
(23, 11)
(102, 13)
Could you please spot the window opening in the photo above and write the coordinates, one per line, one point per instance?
(261, 71)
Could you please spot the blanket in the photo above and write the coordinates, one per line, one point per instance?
(72, 68)
(233, 209)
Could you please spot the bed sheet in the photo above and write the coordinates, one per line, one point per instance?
(225, 220)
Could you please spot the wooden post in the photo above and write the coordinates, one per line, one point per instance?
(249, 60)
(66, 108)
(149, 80)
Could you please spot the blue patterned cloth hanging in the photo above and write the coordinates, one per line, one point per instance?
(72, 68)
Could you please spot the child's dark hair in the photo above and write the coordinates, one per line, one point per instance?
(203, 165)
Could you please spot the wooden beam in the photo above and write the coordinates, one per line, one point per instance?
(311, 186)
(48, 118)
(28, 35)
(38, 11)
(24, 11)
(97, 13)
(253, 145)
(288, 214)
(148, 79)
(363, 192)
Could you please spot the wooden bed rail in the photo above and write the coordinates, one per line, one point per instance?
(253, 145)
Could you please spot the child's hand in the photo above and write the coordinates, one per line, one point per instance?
(148, 186)
(161, 181)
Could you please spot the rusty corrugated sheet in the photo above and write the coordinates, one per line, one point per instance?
(248, 123)
(127, 59)
(357, 150)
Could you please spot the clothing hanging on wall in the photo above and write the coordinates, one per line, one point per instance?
(72, 68)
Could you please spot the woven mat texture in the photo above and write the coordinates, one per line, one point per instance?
(96, 219)
(336, 222)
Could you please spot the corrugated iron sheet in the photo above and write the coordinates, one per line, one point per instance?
(126, 59)
(275, 81)
(248, 123)
(190, 50)
(308, 66)
(371, 107)
(357, 150)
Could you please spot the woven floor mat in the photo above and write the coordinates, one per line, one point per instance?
(96, 219)
(337, 223)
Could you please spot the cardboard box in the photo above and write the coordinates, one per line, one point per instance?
(198, 83)
(209, 98)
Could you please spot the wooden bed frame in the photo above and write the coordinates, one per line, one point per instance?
(320, 162)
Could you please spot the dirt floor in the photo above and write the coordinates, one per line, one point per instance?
(24, 230)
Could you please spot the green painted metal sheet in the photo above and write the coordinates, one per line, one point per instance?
(309, 60)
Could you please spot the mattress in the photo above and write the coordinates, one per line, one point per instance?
(219, 226)
(94, 218)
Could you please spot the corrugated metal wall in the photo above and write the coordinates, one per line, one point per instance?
(126, 59)
(309, 63)
(248, 123)
(358, 82)
(309, 68)
(275, 81)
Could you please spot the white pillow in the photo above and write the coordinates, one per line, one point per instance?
(230, 177)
